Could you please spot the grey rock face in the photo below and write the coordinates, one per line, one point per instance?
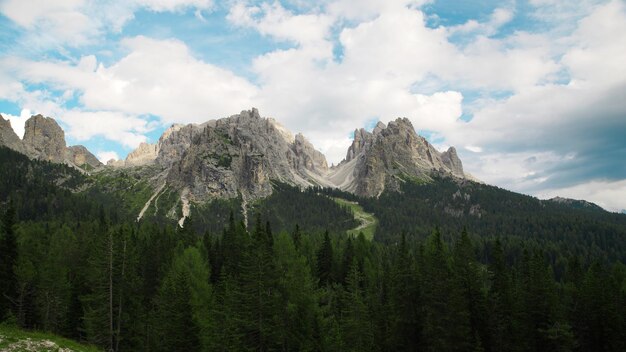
(8, 138)
(307, 156)
(144, 154)
(81, 156)
(452, 162)
(382, 159)
(44, 139)
(240, 154)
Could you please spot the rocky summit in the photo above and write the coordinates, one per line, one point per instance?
(241, 155)
(8, 138)
(388, 156)
(44, 139)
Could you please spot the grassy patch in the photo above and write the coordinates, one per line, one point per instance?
(367, 221)
(14, 339)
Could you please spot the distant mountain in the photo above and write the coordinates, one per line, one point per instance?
(44, 139)
(244, 156)
(386, 157)
(577, 203)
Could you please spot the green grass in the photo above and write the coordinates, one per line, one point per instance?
(14, 339)
(368, 221)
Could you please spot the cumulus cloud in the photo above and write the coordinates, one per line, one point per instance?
(105, 156)
(607, 194)
(158, 77)
(558, 125)
(18, 122)
(78, 22)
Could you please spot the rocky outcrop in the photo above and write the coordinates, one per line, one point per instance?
(8, 138)
(452, 162)
(388, 156)
(144, 154)
(238, 155)
(307, 157)
(81, 157)
(44, 139)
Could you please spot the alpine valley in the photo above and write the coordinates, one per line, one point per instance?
(236, 234)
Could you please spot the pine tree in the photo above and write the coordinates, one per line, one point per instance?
(468, 279)
(8, 260)
(404, 300)
(500, 303)
(183, 305)
(299, 306)
(325, 261)
(356, 324)
(446, 319)
(259, 293)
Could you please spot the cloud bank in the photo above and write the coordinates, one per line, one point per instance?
(537, 109)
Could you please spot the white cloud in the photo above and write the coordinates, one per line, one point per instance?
(50, 24)
(610, 195)
(391, 64)
(275, 21)
(498, 18)
(18, 122)
(156, 77)
(105, 156)
(125, 129)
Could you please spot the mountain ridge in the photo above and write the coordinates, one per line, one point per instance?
(239, 156)
(44, 139)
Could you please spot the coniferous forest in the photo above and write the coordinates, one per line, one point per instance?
(438, 276)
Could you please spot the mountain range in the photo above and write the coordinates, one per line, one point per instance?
(241, 155)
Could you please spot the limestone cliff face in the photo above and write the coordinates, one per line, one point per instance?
(382, 159)
(452, 161)
(144, 154)
(44, 139)
(240, 154)
(8, 138)
(81, 156)
(307, 157)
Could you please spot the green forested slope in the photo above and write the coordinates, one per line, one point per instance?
(515, 281)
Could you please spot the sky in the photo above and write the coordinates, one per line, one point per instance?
(531, 93)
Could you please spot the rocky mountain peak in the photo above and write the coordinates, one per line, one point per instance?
(385, 158)
(307, 156)
(8, 138)
(362, 140)
(144, 154)
(378, 128)
(452, 161)
(45, 138)
(80, 156)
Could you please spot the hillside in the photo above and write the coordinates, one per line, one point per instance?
(14, 339)
(435, 262)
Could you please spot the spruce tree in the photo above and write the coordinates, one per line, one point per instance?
(404, 301)
(468, 279)
(325, 261)
(8, 259)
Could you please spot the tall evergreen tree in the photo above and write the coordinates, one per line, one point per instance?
(183, 305)
(8, 259)
(404, 299)
(468, 279)
(325, 261)
(446, 319)
(500, 303)
(356, 324)
(259, 293)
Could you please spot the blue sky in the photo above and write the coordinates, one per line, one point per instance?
(532, 93)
